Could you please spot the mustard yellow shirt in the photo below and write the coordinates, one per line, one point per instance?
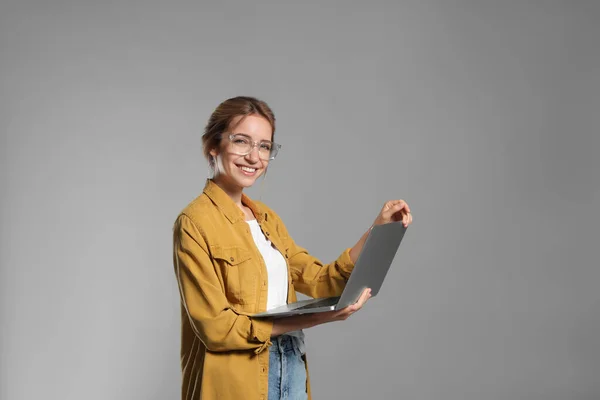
(223, 281)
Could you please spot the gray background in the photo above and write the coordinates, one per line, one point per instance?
(483, 115)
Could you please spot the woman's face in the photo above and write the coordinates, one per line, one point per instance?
(233, 169)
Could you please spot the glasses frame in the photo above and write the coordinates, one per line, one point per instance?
(254, 144)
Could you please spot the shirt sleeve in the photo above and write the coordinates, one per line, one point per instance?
(310, 276)
(215, 323)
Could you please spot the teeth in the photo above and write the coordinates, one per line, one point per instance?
(248, 169)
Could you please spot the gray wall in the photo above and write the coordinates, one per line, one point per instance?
(483, 115)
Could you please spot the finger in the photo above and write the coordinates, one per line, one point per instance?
(357, 306)
(345, 312)
(365, 295)
(395, 208)
(363, 298)
(389, 204)
(348, 311)
(394, 203)
(406, 207)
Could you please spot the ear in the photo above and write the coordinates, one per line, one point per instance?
(213, 152)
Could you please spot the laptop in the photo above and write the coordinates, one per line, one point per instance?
(369, 271)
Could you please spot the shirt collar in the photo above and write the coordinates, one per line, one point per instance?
(228, 206)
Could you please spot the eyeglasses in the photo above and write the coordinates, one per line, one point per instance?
(243, 145)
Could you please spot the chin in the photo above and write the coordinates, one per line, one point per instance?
(245, 181)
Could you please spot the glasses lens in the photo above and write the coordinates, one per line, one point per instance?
(274, 150)
(265, 150)
(242, 145)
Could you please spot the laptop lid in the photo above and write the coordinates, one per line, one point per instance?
(373, 263)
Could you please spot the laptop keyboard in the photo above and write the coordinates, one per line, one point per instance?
(330, 301)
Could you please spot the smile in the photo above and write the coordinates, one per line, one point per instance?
(247, 170)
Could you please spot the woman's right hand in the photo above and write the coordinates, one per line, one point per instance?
(294, 323)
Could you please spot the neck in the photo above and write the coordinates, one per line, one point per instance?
(235, 192)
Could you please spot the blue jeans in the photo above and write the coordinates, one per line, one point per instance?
(287, 373)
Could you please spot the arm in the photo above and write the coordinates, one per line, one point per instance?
(357, 248)
(289, 324)
(315, 279)
(312, 277)
(213, 321)
(394, 210)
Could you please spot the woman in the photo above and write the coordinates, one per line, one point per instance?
(233, 257)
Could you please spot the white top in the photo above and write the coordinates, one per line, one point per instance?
(276, 267)
(277, 277)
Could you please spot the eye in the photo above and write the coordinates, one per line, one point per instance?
(240, 140)
(266, 146)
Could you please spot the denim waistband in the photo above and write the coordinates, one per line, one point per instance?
(282, 343)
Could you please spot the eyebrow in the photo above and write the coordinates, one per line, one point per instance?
(249, 137)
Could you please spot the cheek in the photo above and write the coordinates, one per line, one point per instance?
(263, 166)
(228, 159)
(235, 159)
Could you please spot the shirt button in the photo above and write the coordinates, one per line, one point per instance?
(267, 233)
(231, 259)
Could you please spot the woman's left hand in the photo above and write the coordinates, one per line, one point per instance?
(394, 211)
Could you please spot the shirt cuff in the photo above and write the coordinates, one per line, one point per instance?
(261, 332)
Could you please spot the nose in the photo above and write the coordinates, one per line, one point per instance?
(253, 155)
